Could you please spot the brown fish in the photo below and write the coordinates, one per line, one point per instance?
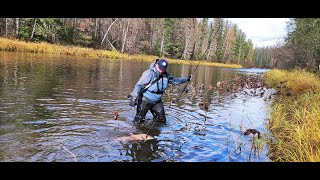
(135, 137)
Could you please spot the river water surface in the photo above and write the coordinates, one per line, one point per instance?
(58, 109)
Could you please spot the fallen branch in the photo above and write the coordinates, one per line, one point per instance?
(105, 35)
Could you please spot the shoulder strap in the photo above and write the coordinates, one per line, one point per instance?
(151, 83)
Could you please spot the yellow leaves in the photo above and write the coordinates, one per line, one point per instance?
(43, 47)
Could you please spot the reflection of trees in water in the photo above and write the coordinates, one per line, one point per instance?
(202, 87)
(145, 151)
(142, 151)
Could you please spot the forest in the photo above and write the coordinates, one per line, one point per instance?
(206, 39)
(212, 40)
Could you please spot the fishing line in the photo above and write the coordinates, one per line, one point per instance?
(187, 83)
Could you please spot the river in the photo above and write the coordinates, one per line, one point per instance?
(61, 109)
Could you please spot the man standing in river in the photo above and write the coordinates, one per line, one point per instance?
(149, 89)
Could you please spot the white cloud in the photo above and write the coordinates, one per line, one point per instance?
(262, 31)
(269, 42)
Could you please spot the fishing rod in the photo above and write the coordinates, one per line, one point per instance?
(177, 98)
(187, 82)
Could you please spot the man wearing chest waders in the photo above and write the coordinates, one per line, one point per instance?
(149, 89)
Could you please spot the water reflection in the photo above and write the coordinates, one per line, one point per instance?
(145, 151)
(52, 103)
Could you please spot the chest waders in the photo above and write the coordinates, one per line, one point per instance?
(144, 105)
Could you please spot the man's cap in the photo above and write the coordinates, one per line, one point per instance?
(163, 64)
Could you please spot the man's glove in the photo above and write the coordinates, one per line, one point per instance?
(189, 77)
(133, 101)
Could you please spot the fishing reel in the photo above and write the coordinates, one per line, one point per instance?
(133, 100)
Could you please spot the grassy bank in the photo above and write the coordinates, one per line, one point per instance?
(43, 47)
(295, 117)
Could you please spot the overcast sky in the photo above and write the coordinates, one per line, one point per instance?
(262, 31)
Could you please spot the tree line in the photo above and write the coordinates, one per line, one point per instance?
(213, 40)
(301, 49)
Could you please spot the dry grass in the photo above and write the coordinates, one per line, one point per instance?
(43, 47)
(295, 119)
(294, 82)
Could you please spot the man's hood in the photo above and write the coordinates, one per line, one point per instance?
(152, 66)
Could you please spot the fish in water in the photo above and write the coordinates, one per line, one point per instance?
(135, 137)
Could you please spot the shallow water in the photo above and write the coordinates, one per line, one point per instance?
(58, 108)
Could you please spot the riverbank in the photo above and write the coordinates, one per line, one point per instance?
(43, 47)
(295, 117)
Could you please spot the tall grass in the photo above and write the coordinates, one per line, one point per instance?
(294, 82)
(43, 47)
(295, 118)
